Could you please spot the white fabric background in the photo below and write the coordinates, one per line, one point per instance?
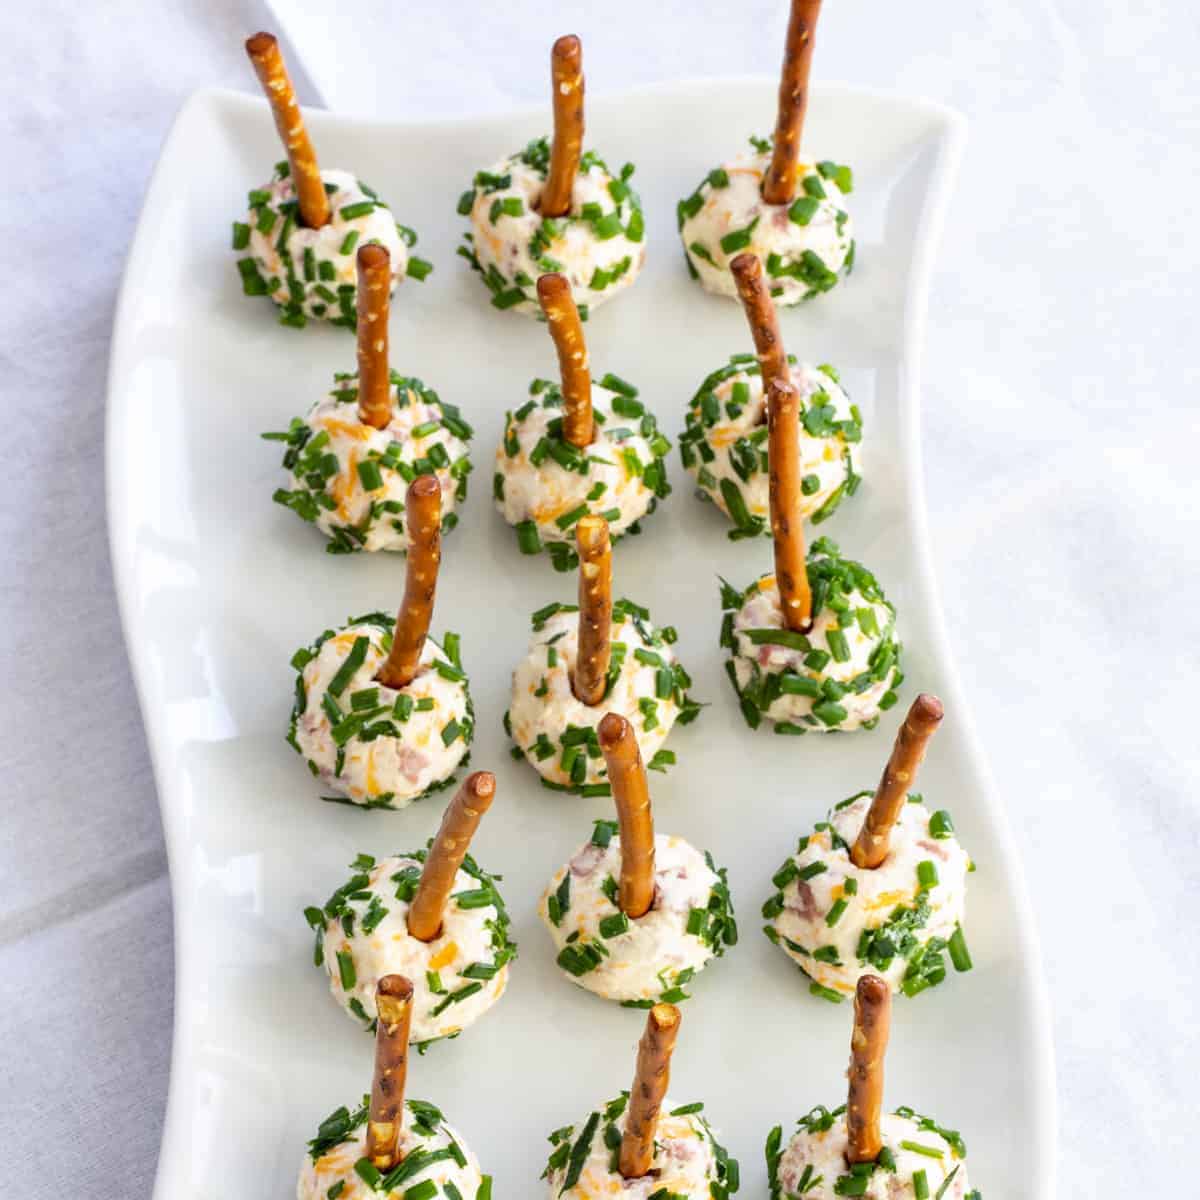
(1060, 435)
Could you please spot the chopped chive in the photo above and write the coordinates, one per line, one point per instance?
(369, 475)
(353, 660)
(960, 956)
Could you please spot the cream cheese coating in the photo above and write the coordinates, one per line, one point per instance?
(648, 958)
(313, 272)
(599, 246)
(557, 732)
(362, 935)
(804, 245)
(724, 446)
(423, 1135)
(688, 1161)
(543, 484)
(839, 922)
(814, 1160)
(397, 745)
(841, 675)
(350, 479)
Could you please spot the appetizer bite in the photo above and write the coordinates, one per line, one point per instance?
(389, 1148)
(858, 1150)
(788, 212)
(641, 1143)
(633, 915)
(587, 660)
(553, 208)
(382, 713)
(297, 243)
(879, 887)
(725, 443)
(432, 915)
(352, 458)
(813, 647)
(567, 451)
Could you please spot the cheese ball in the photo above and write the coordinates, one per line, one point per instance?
(312, 272)
(557, 732)
(804, 246)
(362, 935)
(543, 484)
(839, 922)
(349, 478)
(841, 675)
(645, 960)
(813, 1163)
(376, 746)
(688, 1160)
(599, 245)
(434, 1160)
(725, 443)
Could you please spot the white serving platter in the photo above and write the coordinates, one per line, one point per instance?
(218, 586)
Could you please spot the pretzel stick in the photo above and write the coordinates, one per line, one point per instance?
(871, 846)
(449, 848)
(627, 776)
(264, 54)
(787, 527)
(566, 76)
(374, 381)
(779, 184)
(393, 999)
(868, 1044)
(649, 1087)
(760, 312)
(554, 295)
(423, 505)
(595, 609)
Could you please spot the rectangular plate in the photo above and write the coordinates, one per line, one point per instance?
(218, 586)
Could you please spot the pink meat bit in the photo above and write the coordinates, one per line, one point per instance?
(586, 861)
(937, 849)
(678, 1150)
(411, 762)
(780, 218)
(805, 903)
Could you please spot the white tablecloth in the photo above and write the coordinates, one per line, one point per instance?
(1060, 435)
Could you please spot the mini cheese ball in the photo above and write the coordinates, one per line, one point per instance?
(634, 915)
(725, 444)
(879, 887)
(374, 745)
(543, 485)
(858, 1150)
(642, 1143)
(813, 1163)
(806, 244)
(445, 1160)
(576, 449)
(351, 460)
(552, 209)
(688, 1160)
(789, 212)
(650, 958)
(840, 675)
(298, 242)
(389, 1147)
(349, 478)
(585, 661)
(382, 714)
(434, 916)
